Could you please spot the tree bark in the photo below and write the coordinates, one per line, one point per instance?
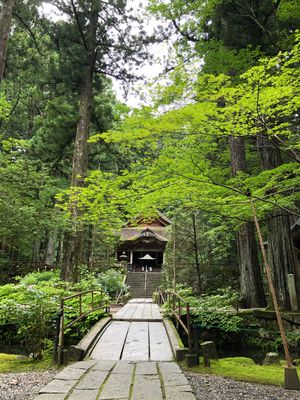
(280, 246)
(36, 250)
(91, 247)
(196, 249)
(5, 25)
(74, 239)
(251, 282)
(50, 249)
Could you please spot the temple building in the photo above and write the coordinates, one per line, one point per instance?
(143, 242)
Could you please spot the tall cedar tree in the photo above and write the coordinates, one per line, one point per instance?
(107, 47)
(5, 25)
(238, 26)
(251, 285)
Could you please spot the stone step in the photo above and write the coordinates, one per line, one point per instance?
(136, 282)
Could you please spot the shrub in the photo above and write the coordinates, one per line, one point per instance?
(111, 282)
(213, 311)
(29, 307)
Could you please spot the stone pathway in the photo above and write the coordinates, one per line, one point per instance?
(131, 361)
(139, 309)
(122, 380)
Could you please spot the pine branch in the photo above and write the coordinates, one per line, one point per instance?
(79, 25)
(184, 34)
(30, 32)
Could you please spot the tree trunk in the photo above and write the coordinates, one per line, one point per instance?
(280, 246)
(91, 247)
(251, 282)
(196, 249)
(36, 250)
(50, 249)
(5, 25)
(74, 239)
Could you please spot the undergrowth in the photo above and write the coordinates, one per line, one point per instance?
(14, 363)
(244, 369)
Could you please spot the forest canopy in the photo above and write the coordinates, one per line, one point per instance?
(222, 126)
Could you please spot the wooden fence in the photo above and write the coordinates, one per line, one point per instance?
(92, 306)
(179, 307)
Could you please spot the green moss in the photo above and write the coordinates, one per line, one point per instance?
(12, 363)
(8, 357)
(244, 369)
(179, 341)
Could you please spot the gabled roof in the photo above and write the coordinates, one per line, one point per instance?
(160, 219)
(147, 233)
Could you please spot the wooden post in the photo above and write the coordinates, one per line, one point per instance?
(173, 302)
(271, 287)
(61, 333)
(80, 304)
(188, 321)
(174, 260)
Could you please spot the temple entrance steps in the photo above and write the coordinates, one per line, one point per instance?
(143, 284)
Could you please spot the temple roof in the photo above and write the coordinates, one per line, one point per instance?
(146, 233)
(141, 228)
(160, 220)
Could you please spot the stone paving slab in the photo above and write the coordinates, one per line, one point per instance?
(139, 310)
(146, 368)
(159, 349)
(179, 393)
(136, 346)
(141, 300)
(84, 364)
(147, 387)
(104, 365)
(84, 395)
(51, 397)
(93, 380)
(111, 342)
(58, 386)
(70, 373)
(169, 368)
(116, 387)
(124, 367)
(175, 380)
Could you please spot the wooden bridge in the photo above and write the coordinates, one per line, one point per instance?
(133, 359)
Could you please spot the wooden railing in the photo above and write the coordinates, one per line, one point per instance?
(93, 306)
(32, 265)
(178, 307)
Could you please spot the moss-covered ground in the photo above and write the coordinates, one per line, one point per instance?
(15, 363)
(245, 369)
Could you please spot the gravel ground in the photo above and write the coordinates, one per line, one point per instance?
(23, 385)
(212, 387)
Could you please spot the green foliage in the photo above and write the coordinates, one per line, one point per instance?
(204, 242)
(112, 282)
(4, 108)
(213, 311)
(32, 304)
(189, 159)
(26, 200)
